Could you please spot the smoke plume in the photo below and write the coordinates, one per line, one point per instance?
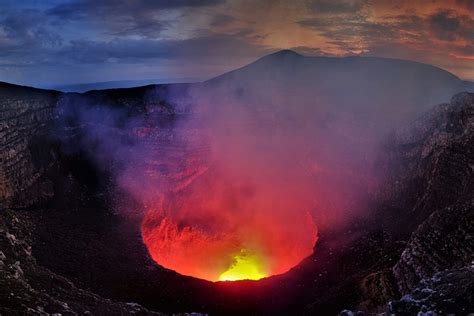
(234, 176)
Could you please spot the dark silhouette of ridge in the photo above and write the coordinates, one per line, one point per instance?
(362, 84)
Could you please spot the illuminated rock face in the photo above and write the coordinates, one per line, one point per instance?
(227, 251)
(222, 256)
(221, 232)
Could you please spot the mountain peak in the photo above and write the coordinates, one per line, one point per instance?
(285, 53)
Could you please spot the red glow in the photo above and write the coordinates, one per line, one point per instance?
(233, 194)
(203, 230)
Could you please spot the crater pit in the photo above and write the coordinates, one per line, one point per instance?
(220, 231)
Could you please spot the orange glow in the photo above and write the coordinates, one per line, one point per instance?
(463, 56)
(221, 233)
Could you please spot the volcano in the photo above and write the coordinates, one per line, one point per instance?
(295, 184)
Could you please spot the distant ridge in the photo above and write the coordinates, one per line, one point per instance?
(10, 89)
(292, 56)
(118, 84)
(361, 83)
(364, 84)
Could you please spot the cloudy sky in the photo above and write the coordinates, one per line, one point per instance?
(53, 42)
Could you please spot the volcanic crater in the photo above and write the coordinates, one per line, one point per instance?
(151, 194)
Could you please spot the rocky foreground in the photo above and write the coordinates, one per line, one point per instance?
(413, 255)
(431, 191)
(28, 288)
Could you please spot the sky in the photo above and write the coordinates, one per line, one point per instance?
(50, 42)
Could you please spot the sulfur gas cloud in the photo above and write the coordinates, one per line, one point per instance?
(246, 181)
(235, 176)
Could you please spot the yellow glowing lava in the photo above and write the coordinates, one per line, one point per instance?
(246, 266)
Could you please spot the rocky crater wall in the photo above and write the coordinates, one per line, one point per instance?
(26, 154)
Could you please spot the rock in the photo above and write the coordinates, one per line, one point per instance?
(428, 200)
(418, 257)
(445, 240)
(447, 292)
(27, 288)
(442, 167)
(429, 164)
(377, 289)
(26, 115)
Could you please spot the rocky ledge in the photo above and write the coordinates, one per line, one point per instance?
(26, 117)
(27, 288)
(428, 201)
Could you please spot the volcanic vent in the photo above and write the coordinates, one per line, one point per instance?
(212, 224)
(231, 192)
(209, 245)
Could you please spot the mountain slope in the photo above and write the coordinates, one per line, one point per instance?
(380, 87)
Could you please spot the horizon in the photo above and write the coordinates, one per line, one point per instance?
(82, 87)
(71, 42)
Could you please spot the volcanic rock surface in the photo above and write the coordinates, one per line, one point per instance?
(27, 288)
(26, 118)
(64, 246)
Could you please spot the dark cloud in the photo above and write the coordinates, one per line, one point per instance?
(222, 20)
(23, 33)
(349, 33)
(167, 4)
(468, 4)
(85, 8)
(356, 32)
(131, 17)
(137, 50)
(445, 25)
(342, 21)
(29, 42)
(448, 25)
(337, 6)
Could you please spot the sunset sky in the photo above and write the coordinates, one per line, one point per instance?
(51, 42)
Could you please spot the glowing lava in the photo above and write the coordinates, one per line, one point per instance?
(216, 233)
(246, 266)
(231, 204)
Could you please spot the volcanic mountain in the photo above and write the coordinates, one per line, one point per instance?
(358, 143)
(363, 84)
